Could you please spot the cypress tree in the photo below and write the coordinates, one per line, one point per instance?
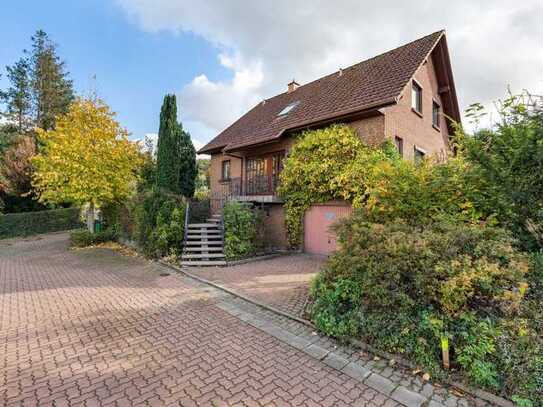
(187, 164)
(167, 174)
(176, 156)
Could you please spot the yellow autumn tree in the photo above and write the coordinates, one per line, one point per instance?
(87, 159)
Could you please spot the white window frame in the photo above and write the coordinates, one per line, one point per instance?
(416, 97)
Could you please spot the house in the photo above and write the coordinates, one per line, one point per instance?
(406, 95)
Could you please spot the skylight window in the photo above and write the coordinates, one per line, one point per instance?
(288, 108)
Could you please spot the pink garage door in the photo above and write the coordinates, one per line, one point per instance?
(318, 237)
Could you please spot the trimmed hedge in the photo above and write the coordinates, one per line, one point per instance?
(33, 223)
(84, 238)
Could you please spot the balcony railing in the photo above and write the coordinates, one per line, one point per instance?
(259, 185)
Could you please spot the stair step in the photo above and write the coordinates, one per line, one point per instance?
(202, 256)
(203, 249)
(204, 235)
(203, 242)
(204, 239)
(210, 225)
(207, 263)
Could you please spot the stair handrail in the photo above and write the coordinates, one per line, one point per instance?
(186, 229)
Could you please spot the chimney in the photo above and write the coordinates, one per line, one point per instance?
(292, 86)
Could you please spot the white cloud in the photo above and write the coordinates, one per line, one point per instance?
(223, 101)
(493, 44)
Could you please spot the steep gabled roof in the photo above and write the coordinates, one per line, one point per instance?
(373, 83)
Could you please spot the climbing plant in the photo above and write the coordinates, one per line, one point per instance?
(325, 164)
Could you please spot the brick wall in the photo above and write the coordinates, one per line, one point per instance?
(371, 130)
(275, 232)
(403, 122)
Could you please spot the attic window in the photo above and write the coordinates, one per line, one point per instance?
(288, 108)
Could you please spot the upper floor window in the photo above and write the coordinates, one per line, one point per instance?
(436, 111)
(419, 155)
(225, 170)
(398, 141)
(416, 97)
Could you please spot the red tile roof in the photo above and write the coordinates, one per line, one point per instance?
(372, 83)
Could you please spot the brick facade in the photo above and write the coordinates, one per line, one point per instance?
(398, 120)
(414, 129)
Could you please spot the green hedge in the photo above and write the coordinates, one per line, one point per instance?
(32, 223)
(84, 238)
(242, 230)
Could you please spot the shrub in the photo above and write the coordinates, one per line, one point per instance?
(507, 163)
(241, 230)
(418, 192)
(403, 288)
(31, 223)
(83, 238)
(159, 223)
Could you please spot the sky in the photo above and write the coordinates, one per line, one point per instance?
(222, 57)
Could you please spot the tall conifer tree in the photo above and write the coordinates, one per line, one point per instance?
(187, 164)
(176, 156)
(167, 175)
(18, 97)
(52, 90)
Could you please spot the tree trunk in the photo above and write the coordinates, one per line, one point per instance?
(90, 218)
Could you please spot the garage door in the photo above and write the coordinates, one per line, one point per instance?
(318, 236)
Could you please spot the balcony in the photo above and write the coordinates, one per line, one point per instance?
(255, 189)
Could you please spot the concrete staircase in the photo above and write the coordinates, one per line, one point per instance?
(204, 244)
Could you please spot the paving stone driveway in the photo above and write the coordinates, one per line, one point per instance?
(91, 327)
(282, 282)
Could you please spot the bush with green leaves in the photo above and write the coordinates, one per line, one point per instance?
(507, 165)
(333, 163)
(242, 226)
(84, 238)
(159, 219)
(403, 287)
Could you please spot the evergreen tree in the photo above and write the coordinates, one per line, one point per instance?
(17, 97)
(187, 164)
(40, 88)
(51, 89)
(167, 175)
(176, 156)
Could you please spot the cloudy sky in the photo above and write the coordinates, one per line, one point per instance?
(222, 57)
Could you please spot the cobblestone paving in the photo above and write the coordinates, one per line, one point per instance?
(282, 282)
(91, 327)
(436, 394)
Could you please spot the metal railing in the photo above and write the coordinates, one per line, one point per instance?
(258, 185)
(186, 230)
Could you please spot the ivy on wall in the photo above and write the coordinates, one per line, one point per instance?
(333, 163)
(322, 165)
